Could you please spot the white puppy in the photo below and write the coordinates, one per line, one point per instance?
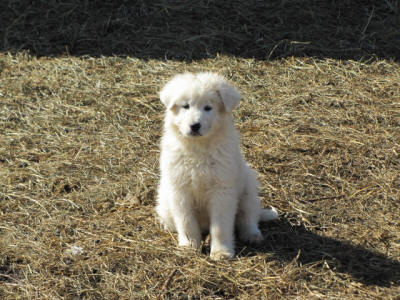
(205, 185)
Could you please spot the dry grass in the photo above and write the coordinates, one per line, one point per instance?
(79, 146)
(79, 151)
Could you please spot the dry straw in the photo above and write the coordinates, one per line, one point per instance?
(79, 150)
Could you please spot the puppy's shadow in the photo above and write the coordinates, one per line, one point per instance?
(287, 242)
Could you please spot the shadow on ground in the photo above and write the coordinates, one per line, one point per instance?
(294, 242)
(190, 29)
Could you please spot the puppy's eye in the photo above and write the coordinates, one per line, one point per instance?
(186, 106)
(207, 108)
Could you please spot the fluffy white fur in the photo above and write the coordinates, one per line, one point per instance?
(205, 185)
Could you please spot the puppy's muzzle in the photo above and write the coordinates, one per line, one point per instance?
(195, 129)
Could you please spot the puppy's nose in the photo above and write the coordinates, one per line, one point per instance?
(195, 127)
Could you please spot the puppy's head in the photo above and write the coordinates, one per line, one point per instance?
(197, 103)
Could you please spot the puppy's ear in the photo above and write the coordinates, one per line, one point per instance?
(166, 95)
(174, 89)
(229, 95)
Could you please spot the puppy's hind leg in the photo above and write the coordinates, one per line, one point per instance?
(250, 210)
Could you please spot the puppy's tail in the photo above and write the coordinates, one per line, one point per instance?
(269, 214)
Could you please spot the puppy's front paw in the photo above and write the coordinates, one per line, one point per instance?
(189, 243)
(168, 226)
(222, 254)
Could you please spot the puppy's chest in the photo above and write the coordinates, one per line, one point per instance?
(197, 170)
(201, 169)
